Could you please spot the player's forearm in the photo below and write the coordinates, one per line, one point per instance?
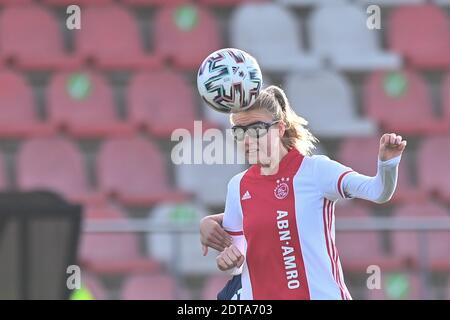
(380, 188)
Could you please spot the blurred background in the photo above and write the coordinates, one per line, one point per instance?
(88, 114)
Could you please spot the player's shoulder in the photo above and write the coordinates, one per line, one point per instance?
(317, 160)
(236, 180)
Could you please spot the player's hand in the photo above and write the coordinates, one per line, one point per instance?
(213, 235)
(229, 258)
(391, 146)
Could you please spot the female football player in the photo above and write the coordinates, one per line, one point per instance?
(278, 225)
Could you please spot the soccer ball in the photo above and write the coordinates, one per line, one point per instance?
(229, 80)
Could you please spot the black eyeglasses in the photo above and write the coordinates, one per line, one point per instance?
(255, 130)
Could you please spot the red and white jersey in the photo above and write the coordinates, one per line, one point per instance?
(284, 224)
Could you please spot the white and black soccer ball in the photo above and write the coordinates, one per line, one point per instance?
(229, 80)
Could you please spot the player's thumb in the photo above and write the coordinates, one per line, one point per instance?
(204, 249)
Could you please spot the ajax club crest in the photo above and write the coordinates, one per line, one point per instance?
(281, 191)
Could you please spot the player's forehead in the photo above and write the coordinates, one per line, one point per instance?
(246, 117)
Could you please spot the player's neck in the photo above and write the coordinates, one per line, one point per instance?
(272, 167)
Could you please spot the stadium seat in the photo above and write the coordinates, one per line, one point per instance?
(359, 249)
(110, 37)
(208, 182)
(213, 285)
(186, 246)
(149, 287)
(152, 103)
(14, 2)
(391, 3)
(308, 3)
(421, 34)
(337, 35)
(401, 102)
(185, 35)
(30, 38)
(432, 159)
(154, 2)
(326, 100)
(83, 104)
(361, 155)
(397, 286)
(274, 53)
(54, 164)
(78, 2)
(112, 253)
(134, 171)
(406, 244)
(18, 116)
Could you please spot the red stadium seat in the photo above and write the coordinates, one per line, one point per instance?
(143, 287)
(361, 155)
(406, 244)
(112, 253)
(78, 2)
(397, 286)
(432, 160)
(154, 2)
(30, 37)
(134, 171)
(14, 2)
(110, 37)
(17, 110)
(359, 249)
(83, 104)
(186, 35)
(152, 103)
(53, 164)
(422, 35)
(213, 285)
(400, 102)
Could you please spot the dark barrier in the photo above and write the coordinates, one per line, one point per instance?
(39, 234)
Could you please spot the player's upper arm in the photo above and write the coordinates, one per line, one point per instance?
(232, 219)
(329, 175)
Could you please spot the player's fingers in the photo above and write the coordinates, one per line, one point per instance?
(223, 234)
(204, 250)
(232, 256)
(236, 251)
(223, 237)
(221, 264)
(227, 259)
(219, 241)
(240, 261)
(392, 138)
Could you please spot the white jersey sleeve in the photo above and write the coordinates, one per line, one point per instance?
(337, 181)
(329, 175)
(233, 218)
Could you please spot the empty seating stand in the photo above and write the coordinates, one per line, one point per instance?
(110, 39)
(82, 103)
(30, 38)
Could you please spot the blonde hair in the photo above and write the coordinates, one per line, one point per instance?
(273, 100)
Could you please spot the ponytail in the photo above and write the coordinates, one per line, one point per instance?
(274, 100)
